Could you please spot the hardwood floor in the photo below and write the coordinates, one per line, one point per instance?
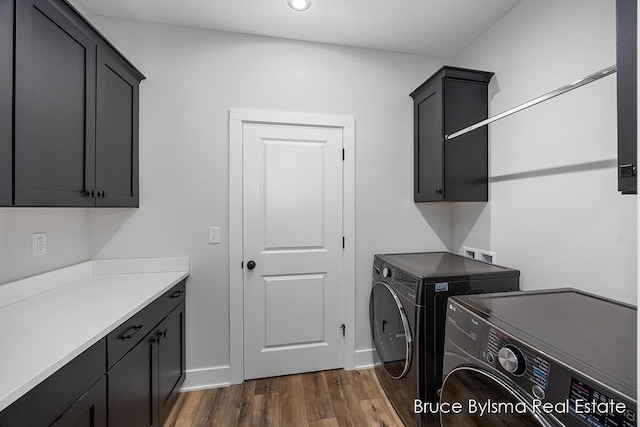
(317, 399)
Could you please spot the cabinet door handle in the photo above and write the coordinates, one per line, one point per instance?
(159, 335)
(101, 194)
(131, 332)
(176, 294)
(89, 193)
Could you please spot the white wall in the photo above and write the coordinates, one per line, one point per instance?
(193, 78)
(554, 209)
(67, 240)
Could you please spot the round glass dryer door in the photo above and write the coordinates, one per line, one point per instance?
(471, 387)
(390, 329)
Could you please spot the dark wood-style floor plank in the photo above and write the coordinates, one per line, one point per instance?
(268, 385)
(293, 407)
(326, 422)
(319, 399)
(175, 411)
(345, 404)
(266, 410)
(189, 409)
(364, 384)
(377, 413)
(239, 409)
(212, 408)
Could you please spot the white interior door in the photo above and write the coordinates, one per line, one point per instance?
(292, 231)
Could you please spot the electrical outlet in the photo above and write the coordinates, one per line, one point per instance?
(214, 235)
(39, 244)
(487, 256)
(470, 252)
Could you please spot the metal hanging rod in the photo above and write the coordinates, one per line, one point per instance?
(590, 78)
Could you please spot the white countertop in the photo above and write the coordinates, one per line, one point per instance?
(48, 320)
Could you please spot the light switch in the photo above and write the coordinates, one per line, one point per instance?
(214, 235)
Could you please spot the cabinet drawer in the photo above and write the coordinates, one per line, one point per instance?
(127, 335)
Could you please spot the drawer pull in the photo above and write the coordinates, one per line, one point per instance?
(131, 332)
(176, 294)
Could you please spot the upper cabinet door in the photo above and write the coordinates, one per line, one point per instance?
(627, 57)
(116, 132)
(54, 110)
(428, 146)
(6, 101)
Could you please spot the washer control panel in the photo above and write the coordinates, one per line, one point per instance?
(529, 369)
(547, 381)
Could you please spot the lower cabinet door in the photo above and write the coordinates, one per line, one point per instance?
(171, 359)
(130, 386)
(90, 410)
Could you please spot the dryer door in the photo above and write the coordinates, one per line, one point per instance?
(476, 389)
(390, 329)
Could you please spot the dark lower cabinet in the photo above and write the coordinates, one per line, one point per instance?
(135, 385)
(171, 360)
(627, 99)
(131, 387)
(53, 399)
(144, 384)
(88, 411)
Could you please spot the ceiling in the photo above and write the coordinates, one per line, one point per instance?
(439, 28)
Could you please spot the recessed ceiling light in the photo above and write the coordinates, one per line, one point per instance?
(299, 5)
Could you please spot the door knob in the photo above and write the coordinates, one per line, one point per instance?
(251, 265)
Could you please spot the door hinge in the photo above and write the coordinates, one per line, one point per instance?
(344, 328)
(343, 242)
(343, 154)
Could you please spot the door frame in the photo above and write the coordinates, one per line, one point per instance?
(237, 118)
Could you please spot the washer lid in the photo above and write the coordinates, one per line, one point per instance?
(599, 332)
(445, 265)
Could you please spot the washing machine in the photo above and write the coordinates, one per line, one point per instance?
(540, 358)
(407, 308)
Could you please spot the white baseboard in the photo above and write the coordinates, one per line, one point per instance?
(220, 376)
(200, 379)
(365, 358)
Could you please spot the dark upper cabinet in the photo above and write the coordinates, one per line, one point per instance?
(116, 132)
(456, 170)
(74, 112)
(6, 101)
(54, 108)
(626, 59)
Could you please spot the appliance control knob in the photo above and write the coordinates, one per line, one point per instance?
(386, 272)
(512, 360)
(538, 392)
